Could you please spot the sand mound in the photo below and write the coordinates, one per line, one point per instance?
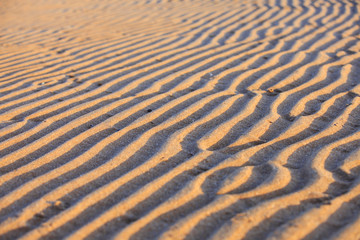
(180, 119)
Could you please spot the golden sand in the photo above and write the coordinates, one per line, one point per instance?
(170, 119)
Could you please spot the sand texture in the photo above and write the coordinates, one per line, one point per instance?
(170, 119)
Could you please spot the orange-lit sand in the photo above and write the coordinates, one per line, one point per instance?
(193, 119)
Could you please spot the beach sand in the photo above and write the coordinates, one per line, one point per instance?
(192, 119)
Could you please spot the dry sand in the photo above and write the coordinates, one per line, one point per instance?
(159, 119)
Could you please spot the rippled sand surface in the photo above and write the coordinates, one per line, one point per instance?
(193, 119)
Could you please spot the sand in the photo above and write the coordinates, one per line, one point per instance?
(170, 119)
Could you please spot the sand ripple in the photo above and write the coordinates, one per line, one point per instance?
(192, 119)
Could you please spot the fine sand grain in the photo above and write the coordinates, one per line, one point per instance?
(170, 119)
